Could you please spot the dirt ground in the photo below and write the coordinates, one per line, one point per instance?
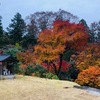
(33, 88)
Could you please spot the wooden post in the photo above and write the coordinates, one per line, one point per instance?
(1, 72)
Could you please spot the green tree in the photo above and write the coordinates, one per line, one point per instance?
(16, 29)
(84, 23)
(4, 39)
(91, 36)
(1, 28)
(29, 40)
(95, 32)
(1, 32)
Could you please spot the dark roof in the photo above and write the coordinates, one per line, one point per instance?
(4, 57)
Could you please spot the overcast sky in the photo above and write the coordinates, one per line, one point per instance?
(86, 9)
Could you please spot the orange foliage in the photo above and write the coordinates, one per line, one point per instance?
(52, 43)
(75, 35)
(90, 77)
(26, 58)
(90, 56)
(63, 36)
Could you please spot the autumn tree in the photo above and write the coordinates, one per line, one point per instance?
(90, 56)
(26, 58)
(52, 43)
(44, 20)
(40, 21)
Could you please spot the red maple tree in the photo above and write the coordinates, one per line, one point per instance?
(52, 43)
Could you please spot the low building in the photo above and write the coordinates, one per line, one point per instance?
(6, 66)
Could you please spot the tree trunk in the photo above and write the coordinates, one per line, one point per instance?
(60, 65)
(55, 69)
(48, 69)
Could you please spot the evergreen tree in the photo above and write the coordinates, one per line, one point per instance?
(1, 32)
(1, 28)
(29, 40)
(95, 32)
(84, 23)
(16, 29)
(87, 29)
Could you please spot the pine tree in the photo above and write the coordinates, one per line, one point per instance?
(1, 32)
(16, 29)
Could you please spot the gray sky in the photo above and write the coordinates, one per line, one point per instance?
(86, 9)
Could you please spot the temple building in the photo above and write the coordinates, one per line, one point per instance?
(6, 66)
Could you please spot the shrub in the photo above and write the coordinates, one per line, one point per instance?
(90, 77)
(73, 72)
(51, 76)
(17, 68)
(29, 70)
(33, 70)
(39, 71)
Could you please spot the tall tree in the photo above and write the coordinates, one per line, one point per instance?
(82, 21)
(16, 29)
(1, 32)
(95, 32)
(52, 43)
(1, 28)
(44, 20)
(40, 21)
(29, 40)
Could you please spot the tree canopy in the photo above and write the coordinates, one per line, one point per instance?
(52, 43)
(16, 29)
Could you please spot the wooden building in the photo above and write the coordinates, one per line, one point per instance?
(6, 66)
